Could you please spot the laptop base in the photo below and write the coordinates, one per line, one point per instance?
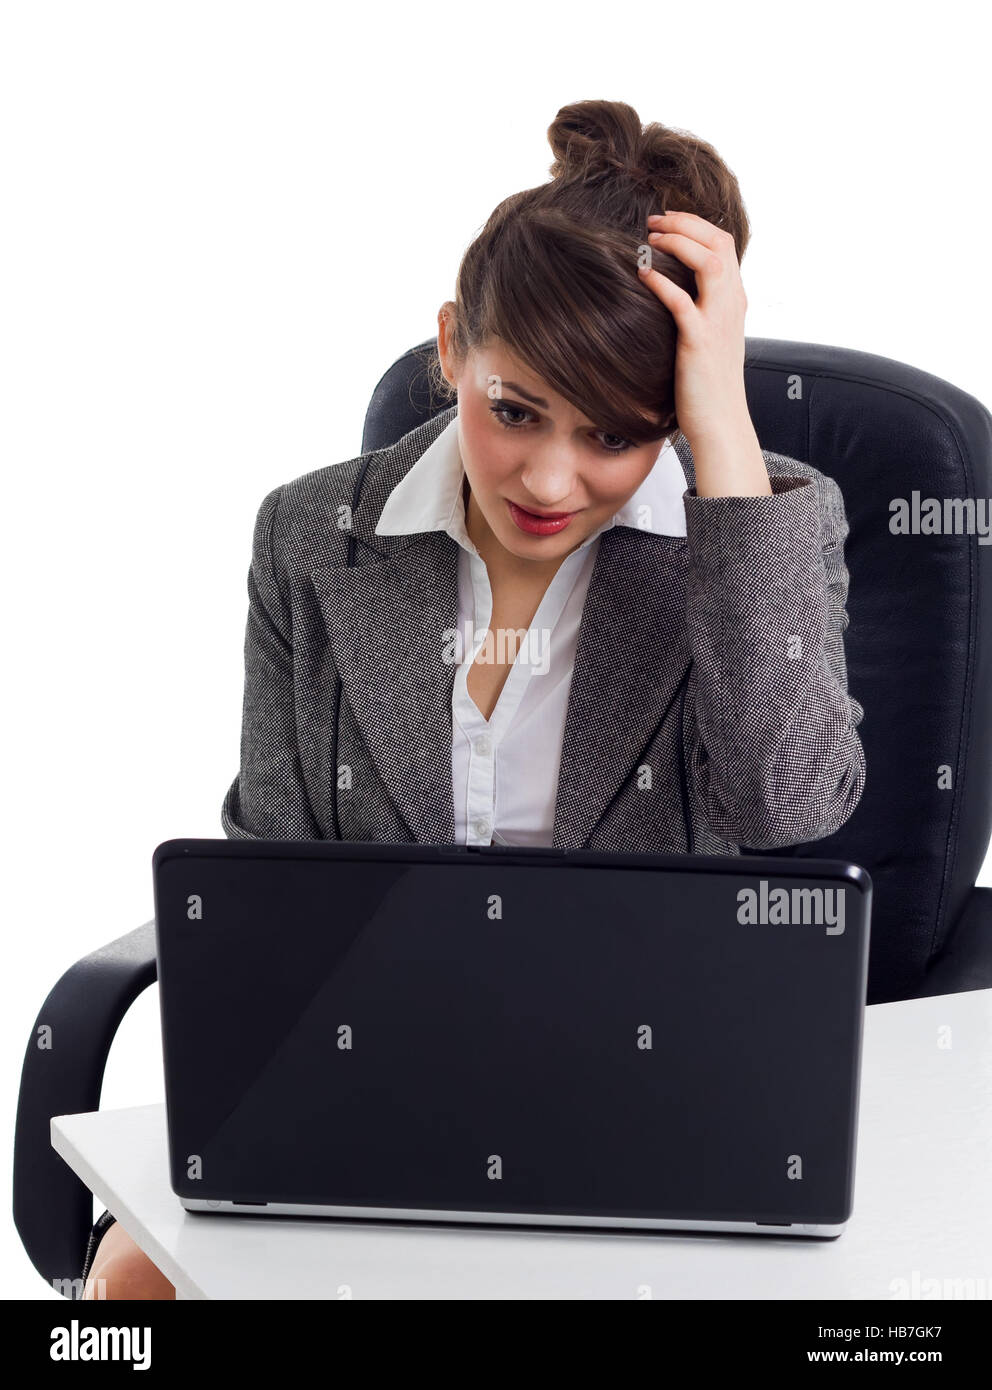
(417, 1216)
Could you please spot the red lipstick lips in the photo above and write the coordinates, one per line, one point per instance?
(539, 523)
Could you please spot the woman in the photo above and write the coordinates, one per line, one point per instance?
(517, 624)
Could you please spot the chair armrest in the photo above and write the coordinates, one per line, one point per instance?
(63, 1075)
(966, 961)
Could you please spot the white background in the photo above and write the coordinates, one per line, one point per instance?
(222, 222)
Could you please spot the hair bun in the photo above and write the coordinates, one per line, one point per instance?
(591, 137)
(603, 145)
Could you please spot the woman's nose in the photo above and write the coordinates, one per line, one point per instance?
(549, 481)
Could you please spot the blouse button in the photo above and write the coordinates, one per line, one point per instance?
(483, 745)
(482, 829)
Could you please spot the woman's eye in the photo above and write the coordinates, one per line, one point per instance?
(617, 446)
(503, 408)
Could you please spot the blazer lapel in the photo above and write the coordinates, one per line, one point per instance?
(632, 654)
(386, 622)
(385, 619)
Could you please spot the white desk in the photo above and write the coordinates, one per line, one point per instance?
(922, 1202)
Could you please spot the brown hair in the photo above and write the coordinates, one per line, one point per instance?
(553, 273)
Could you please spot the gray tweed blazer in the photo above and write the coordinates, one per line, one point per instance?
(708, 707)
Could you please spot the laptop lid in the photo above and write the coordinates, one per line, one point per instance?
(500, 1034)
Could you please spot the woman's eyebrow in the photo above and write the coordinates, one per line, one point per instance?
(534, 400)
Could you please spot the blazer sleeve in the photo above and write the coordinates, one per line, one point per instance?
(268, 799)
(772, 738)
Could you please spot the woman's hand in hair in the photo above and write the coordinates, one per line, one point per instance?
(710, 401)
(709, 359)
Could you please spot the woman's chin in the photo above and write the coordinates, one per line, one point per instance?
(532, 547)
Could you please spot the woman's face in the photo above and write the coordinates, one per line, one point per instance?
(530, 454)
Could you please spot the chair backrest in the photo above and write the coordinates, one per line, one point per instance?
(919, 641)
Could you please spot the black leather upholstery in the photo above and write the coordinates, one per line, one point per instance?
(53, 1210)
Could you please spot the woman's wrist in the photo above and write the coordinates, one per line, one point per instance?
(728, 461)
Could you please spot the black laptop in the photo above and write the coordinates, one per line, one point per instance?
(526, 1036)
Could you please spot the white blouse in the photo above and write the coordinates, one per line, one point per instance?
(505, 770)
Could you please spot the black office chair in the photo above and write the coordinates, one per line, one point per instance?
(919, 653)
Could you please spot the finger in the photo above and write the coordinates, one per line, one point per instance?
(675, 299)
(692, 225)
(700, 257)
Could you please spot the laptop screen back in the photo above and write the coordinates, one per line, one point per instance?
(534, 1037)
